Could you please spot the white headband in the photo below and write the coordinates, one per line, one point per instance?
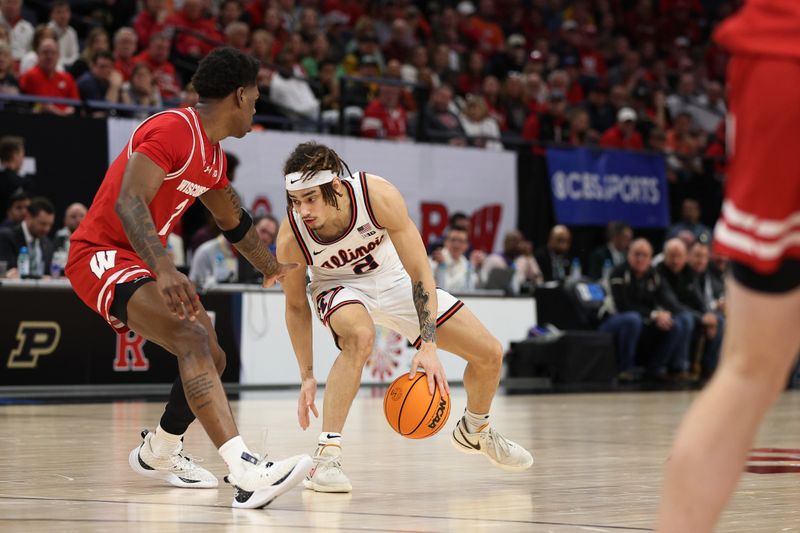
(295, 181)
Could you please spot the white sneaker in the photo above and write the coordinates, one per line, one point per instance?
(178, 469)
(502, 452)
(263, 481)
(326, 474)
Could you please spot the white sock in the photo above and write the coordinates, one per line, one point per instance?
(475, 422)
(165, 444)
(231, 453)
(328, 438)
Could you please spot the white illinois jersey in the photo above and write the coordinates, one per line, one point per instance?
(364, 250)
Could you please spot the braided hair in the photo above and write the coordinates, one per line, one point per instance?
(310, 158)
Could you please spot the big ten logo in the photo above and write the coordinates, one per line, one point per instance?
(130, 351)
(261, 206)
(34, 339)
(484, 224)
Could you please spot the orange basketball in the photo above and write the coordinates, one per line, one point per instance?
(411, 410)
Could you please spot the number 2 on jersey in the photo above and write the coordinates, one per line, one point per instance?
(366, 264)
(178, 209)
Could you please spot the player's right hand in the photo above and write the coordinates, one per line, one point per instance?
(178, 293)
(308, 393)
(279, 274)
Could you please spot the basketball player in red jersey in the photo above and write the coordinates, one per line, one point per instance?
(760, 231)
(118, 266)
(368, 266)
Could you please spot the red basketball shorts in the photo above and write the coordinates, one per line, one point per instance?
(94, 272)
(760, 221)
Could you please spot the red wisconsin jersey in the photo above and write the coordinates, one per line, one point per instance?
(770, 27)
(175, 141)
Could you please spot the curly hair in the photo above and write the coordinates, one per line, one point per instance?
(223, 71)
(311, 157)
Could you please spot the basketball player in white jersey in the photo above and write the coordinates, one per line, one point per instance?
(368, 266)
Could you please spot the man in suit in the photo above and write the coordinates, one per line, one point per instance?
(32, 233)
(711, 293)
(553, 259)
(618, 237)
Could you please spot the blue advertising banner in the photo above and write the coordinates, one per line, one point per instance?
(591, 187)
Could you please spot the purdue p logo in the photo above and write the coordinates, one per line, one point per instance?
(35, 339)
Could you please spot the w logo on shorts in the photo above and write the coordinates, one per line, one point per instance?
(102, 261)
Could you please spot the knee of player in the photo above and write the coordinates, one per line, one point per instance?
(495, 353)
(191, 339)
(360, 341)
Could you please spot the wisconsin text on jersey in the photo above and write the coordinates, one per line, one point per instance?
(348, 255)
(192, 189)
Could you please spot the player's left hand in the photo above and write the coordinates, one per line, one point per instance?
(427, 359)
(278, 275)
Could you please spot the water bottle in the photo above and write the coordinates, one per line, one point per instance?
(575, 273)
(58, 263)
(607, 268)
(24, 263)
(221, 273)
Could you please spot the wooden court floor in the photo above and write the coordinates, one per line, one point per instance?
(598, 468)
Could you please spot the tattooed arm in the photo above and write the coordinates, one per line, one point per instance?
(226, 207)
(391, 213)
(140, 183)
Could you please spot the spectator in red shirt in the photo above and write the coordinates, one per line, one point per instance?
(156, 57)
(125, 42)
(384, 118)
(191, 17)
(593, 64)
(150, 20)
(45, 80)
(623, 134)
(483, 31)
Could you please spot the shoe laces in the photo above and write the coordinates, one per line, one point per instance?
(499, 443)
(329, 461)
(183, 459)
